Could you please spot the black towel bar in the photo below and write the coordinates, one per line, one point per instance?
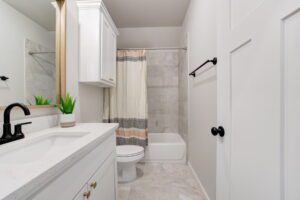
(213, 61)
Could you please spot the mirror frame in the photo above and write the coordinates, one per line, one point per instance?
(60, 54)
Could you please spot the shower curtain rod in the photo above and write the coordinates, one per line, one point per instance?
(159, 48)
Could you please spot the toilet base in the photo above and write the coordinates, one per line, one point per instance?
(126, 172)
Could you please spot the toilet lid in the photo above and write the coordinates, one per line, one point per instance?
(129, 150)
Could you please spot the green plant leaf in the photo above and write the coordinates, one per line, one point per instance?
(62, 103)
(40, 100)
(67, 105)
(73, 105)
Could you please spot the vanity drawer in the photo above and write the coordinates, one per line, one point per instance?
(69, 183)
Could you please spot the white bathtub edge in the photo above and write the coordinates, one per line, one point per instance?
(157, 152)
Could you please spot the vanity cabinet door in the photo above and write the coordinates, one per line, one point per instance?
(83, 194)
(108, 49)
(113, 55)
(103, 184)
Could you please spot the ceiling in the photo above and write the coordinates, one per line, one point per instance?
(147, 13)
(40, 11)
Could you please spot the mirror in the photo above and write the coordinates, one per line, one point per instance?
(32, 52)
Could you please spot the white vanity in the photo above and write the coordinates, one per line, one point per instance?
(61, 164)
(55, 164)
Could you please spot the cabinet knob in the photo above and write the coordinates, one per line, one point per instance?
(87, 194)
(94, 184)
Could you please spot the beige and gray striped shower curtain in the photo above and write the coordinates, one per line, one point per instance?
(127, 103)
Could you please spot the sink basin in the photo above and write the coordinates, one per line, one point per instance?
(34, 149)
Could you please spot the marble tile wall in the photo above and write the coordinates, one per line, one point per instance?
(183, 95)
(163, 90)
(40, 73)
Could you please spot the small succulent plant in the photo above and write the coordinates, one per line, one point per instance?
(66, 105)
(41, 101)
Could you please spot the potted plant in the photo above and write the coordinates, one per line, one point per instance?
(66, 106)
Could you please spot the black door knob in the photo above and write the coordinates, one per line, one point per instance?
(218, 131)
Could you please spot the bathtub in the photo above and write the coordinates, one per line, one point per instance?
(165, 147)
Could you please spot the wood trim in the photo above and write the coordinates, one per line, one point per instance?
(61, 47)
(57, 51)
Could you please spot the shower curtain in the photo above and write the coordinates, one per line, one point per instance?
(127, 104)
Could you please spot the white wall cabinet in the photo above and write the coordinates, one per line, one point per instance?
(98, 45)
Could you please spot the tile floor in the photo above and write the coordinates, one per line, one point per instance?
(161, 182)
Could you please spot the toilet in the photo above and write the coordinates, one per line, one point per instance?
(127, 158)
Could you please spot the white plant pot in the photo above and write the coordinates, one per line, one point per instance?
(67, 120)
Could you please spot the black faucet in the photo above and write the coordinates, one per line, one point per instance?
(7, 134)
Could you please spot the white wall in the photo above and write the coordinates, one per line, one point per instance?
(89, 106)
(200, 26)
(149, 37)
(91, 103)
(15, 28)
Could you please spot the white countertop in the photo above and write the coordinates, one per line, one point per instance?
(18, 179)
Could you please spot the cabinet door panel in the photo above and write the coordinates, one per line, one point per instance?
(105, 66)
(80, 195)
(113, 56)
(89, 41)
(105, 180)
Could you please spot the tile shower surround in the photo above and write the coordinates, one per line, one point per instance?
(163, 90)
(167, 91)
(183, 95)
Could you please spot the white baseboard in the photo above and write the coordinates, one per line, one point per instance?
(199, 182)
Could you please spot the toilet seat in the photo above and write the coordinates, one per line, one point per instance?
(129, 153)
(129, 150)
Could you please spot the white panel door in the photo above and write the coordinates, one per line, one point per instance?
(258, 99)
(291, 100)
